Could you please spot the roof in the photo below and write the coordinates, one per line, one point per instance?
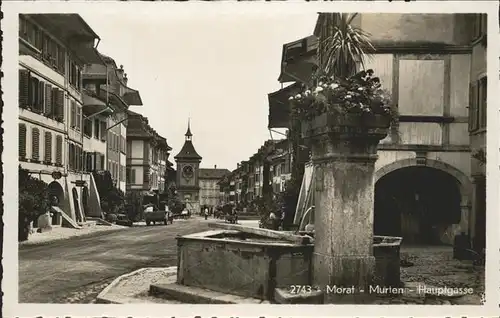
(188, 152)
(212, 173)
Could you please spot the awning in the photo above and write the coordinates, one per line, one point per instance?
(279, 106)
(93, 105)
(298, 60)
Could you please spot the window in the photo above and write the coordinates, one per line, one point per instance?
(35, 144)
(58, 104)
(48, 148)
(78, 117)
(33, 93)
(103, 131)
(72, 120)
(24, 82)
(482, 99)
(480, 25)
(87, 128)
(59, 144)
(97, 124)
(40, 98)
(22, 141)
(102, 161)
(71, 153)
(132, 175)
(47, 110)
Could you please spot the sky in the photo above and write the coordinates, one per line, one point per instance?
(215, 70)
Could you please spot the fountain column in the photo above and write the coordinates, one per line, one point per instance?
(343, 262)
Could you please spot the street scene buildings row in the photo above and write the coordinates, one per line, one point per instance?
(75, 120)
(438, 146)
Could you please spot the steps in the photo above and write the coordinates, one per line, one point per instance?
(87, 224)
(196, 295)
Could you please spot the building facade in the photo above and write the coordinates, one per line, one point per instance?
(53, 49)
(109, 98)
(147, 154)
(209, 186)
(477, 129)
(188, 168)
(428, 74)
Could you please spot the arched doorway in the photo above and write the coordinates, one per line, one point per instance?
(56, 197)
(418, 203)
(76, 205)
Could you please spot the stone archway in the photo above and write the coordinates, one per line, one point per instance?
(56, 198)
(56, 193)
(445, 190)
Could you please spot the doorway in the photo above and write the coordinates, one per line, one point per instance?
(416, 203)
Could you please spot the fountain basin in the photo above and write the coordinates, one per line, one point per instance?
(250, 265)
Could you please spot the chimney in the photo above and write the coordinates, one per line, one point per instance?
(215, 166)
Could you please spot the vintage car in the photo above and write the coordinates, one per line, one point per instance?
(155, 216)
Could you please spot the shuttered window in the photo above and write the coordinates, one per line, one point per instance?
(473, 107)
(103, 131)
(97, 124)
(35, 144)
(73, 114)
(59, 150)
(71, 154)
(22, 141)
(103, 162)
(33, 93)
(48, 111)
(78, 123)
(98, 161)
(48, 147)
(40, 101)
(24, 77)
(60, 105)
(482, 99)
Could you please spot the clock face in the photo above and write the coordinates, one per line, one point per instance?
(187, 172)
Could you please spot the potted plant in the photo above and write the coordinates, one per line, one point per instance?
(356, 105)
(341, 99)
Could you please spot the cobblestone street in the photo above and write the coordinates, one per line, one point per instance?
(434, 266)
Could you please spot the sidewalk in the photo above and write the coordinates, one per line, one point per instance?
(62, 233)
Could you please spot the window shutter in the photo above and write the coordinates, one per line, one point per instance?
(103, 130)
(54, 101)
(48, 101)
(73, 115)
(97, 161)
(48, 147)
(32, 103)
(41, 96)
(59, 146)
(35, 144)
(60, 104)
(78, 116)
(132, 175)
(102, 162)
(483, 91)
(24, 78)
(97, 126)
(22, 141)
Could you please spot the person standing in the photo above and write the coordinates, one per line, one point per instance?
(206, 213)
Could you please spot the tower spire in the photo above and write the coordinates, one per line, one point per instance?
(188, 132)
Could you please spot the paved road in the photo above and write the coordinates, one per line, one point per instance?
(77, 269)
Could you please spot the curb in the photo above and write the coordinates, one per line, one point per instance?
(103, 298)
(29, 243)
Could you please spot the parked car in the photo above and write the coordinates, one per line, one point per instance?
(122, 219)
(156, 216)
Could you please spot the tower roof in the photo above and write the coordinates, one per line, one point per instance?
(188, 152)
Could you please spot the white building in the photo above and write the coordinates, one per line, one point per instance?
(53, 48)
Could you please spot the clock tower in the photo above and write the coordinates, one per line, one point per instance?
(188, 166)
